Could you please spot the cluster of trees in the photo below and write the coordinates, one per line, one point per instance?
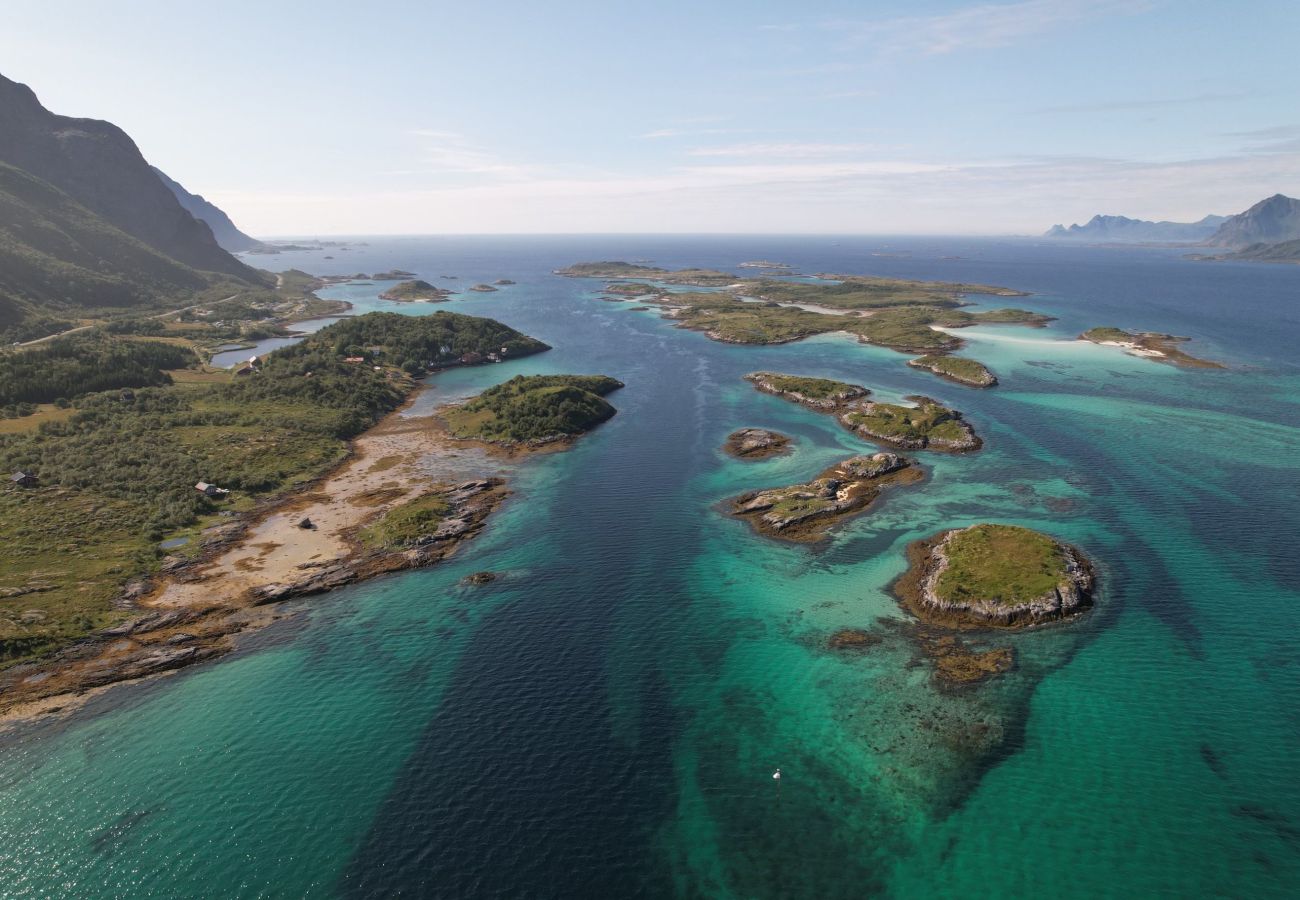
(531, 407)
(70, 367)
(413, 342)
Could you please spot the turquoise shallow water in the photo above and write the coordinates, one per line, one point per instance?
(604, 720)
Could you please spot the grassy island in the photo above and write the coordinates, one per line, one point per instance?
(806, 512)
(822, 394)
(412, 291)
(927, 425)
(1153, 345)
(534, 409)
(956, 368)
(115, 472)
(995, 575)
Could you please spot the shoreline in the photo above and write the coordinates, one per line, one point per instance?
(192, 611)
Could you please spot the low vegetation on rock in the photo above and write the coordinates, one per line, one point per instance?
(534, 409)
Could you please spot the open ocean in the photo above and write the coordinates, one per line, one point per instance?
(604, 720)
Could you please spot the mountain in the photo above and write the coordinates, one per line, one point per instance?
(228, 236)
(96, 164)
(1268, 221)
(1121, 229)
(59, 258)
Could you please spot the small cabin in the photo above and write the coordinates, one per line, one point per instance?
(354, 359)
(24, 479)
(244, 371)
(210, 490)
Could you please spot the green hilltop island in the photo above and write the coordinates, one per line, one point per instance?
(907, 316)
(417, 291)
(533, 411)
(995, 576)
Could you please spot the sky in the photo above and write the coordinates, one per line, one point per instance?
(920, 117)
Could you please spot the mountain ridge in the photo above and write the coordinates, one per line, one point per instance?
(226, 233)
(99, 166)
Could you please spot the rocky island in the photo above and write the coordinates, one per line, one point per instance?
(821, 394)
(483, 289)
(1149, 344)
(756, 443)
(928, 425)
(1000, 576)
(956, 368)
(415, 291)
(530, 412)
(806, 512)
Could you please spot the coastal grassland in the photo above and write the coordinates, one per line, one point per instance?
(1000, 564)
(116, 475)
(956, 368)
(534, 408)
(405, 523)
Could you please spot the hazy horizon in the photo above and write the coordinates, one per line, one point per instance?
(924, 119)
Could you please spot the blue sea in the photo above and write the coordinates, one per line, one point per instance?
(604, 719)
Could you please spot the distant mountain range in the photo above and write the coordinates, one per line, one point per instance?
(228, 236)
(1254, 232)
(1122, 229)
(87, 225)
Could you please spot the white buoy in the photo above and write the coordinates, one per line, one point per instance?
(777, 774)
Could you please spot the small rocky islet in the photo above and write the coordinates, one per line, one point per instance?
(756, 443)
(806, 512)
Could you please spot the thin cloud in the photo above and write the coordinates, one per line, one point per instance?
(783, 151)
(1158, 103)
(983, 27)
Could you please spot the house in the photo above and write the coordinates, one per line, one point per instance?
(244, 370)
(24, 479)
(471, 358)
(210, 490)
(354, 359)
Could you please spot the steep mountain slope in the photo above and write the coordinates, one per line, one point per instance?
(1120, 229)
(223, 229)
(99, 166)
(1269, 221)
(59, 258)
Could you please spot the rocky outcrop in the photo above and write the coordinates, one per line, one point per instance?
(756, 443)
(805, 512)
